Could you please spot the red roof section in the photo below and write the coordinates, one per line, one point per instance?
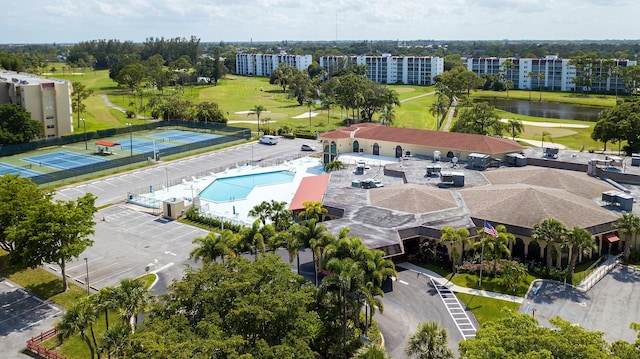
(107, 143)
(310, 189)
(445, 140)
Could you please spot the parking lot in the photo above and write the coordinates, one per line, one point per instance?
(23, 316)
(128, 243)
(609, 307)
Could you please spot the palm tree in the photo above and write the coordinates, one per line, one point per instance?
(107, 300)
(498, 246)
(578, 241)
(371, 350)
(280, 216)
(515, 127)
(213, 246)
(429, 342)
(79, 319)
(438, 109)
(115, 340)
(334, 166)
(309, 233)
(346, 281)
(508, 85)
(540, 84)
(530, 75)
(545, 134)
(453, 237)
(133, 297)
(628, 225)
(257, 110)
(293, 245)
(252, 240)
(309, 102)
(312, 210)
(261, 211)
(549, 231)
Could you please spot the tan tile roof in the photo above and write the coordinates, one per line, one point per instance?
(578, 183)
(412, 198)
(444, 140)
(526, 205)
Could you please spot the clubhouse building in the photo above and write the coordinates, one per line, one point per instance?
(413, 206)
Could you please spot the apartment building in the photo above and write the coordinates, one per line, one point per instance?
(387, 69)
(551, 72)
(265, 64)
(47, 100)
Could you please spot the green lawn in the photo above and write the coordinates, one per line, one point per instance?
(238, 94)
(46, 285)
(491, 284)
(486, 309)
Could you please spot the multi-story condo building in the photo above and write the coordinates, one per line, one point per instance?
(265, 64)
(552, 73)
(47, 100)
(387, 69)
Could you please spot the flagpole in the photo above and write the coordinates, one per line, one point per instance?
(481, 260)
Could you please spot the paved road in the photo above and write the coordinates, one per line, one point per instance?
(413, 301)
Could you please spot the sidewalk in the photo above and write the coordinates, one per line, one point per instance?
(442, 281)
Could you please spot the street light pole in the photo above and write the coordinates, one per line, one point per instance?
(84, 124)
(130, 141)
(86, 264)
(166, 171)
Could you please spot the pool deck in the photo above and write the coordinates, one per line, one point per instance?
(235, 211)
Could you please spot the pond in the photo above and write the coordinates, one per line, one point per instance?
(547, 109)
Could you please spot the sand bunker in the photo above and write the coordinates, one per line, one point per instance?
(548, 124)
(307, 115)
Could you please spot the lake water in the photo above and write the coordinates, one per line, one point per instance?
(547, 109)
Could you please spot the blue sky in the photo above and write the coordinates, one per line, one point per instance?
(62, 21)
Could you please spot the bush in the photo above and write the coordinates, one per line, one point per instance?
(552, 273)
(311, 135)
(194, 216)
(130, 114)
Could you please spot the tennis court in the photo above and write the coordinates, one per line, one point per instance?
(6, 169)
(64, 160)
(184, 136)
(143, 146)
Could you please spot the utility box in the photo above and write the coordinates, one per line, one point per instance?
(433, 170)
(551, 152)
(516, 160)
(453, 178)
(173, 208)
(478, 161)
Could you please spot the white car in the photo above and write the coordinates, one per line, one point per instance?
(269, 140)
(307, 147)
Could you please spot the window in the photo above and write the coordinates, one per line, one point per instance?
(48, 108)
(50, 117)
(48, 98)
(51, 126)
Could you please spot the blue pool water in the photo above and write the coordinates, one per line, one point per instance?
(239, 187)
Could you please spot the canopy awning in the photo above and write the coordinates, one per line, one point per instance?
(107, 143)
(310, 189)
(611, 237)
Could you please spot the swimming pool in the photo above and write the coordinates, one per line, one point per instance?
(238, 187)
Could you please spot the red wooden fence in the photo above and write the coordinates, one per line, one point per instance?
(34, 344)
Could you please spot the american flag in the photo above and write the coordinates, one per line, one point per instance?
(488, 229)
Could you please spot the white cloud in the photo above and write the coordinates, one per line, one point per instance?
(272, 20)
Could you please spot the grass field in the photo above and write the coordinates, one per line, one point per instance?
(486, 309)
(238, 94)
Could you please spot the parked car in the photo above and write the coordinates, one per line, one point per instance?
(307, 147)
